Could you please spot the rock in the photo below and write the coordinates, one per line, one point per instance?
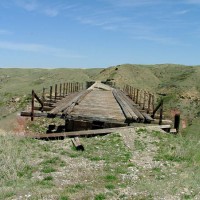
(17, 99)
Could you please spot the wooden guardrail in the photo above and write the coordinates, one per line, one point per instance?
(54, 95)
(62, 89)
(143, 98)
(146, 101)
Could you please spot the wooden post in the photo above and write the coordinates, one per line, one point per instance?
(140, 98)
(152, 102)
(177, 122)
(71, 87)
(43, 94)
(60, 89)
(50, 95)
(77, 144)
(149, 103)
(63, 89)
(32, 105)
(137, 96)
(55, 92)
(131, 92)
(74, 87)
(67, 88)
(161, 113)
(82, 86)
(134, 94)
(144, 101)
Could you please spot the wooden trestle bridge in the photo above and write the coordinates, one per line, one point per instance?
(100, 106)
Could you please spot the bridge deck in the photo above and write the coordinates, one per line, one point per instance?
(99, 104)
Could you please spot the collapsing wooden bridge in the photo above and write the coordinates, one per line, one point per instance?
(97, 107)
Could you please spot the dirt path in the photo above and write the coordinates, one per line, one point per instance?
(142, 145)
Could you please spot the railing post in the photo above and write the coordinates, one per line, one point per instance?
(161, 113)
(67, 88)
(177, 122)
(32, 105)
(43, 94)
(60, 89)
(55, 92)
(50, 95)
(149, 103)
(64, 90)
(152, 102)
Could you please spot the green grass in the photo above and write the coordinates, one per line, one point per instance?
(100, 197)
(31, 165)
(105, 177)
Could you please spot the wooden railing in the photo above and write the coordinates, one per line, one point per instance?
(143, 98)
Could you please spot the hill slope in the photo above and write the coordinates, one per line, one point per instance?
(180, 84)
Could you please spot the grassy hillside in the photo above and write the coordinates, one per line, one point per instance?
(141, 164)
(16, 84)
(129, 164)
(138, 76)
(179, 83)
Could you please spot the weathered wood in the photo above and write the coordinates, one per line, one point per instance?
(67, 105)
(38, 99)
(144, 100)
(63, 89)
(76, 101)
(164, 122)
(77, 144)
(149, 103)
(152, 103)
(161, 113)
(60, 89)
(137, 96)
(48, 115)
(64, 103)
(132, 105)
(177, 122)
(55, 95)
(51, 90)
(45, 108)
(157, 107)
(67, 88)
(129, 114)
(148, 118)
(134, 96)
(89, 133)
(43, 94)
(32, 105)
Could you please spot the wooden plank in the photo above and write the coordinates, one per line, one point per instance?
(133, 106)
(130, 116)
(48, 115)
(89, 133)
(77, 144)
(32, 106)
(148, 118)
(45, 108)
(64, 103)
(102, 118)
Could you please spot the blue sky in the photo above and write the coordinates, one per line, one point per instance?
(98, 33)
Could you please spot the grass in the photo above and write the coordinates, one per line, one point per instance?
(104, 169)
(35, 166)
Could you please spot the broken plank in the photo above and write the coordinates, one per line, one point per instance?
(77, 144)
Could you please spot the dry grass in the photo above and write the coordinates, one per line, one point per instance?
(156, 167)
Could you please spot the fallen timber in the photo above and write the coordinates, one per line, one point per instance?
(100, 106)
(91, 133)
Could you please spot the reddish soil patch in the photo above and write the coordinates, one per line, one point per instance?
(20, 125)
